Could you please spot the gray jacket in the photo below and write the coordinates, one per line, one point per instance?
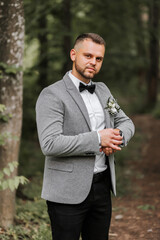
(68, 143)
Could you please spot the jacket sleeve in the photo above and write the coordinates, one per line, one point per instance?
(120, 120)
(49, 117)
(125, 124)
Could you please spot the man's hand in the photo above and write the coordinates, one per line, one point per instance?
(110, 140)
(108, 151)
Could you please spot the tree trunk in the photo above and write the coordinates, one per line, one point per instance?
(11, 52)
(141, 19)
(154, 54)
(66, 22)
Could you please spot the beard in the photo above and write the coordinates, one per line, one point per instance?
(85, 74)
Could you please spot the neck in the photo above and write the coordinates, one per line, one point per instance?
(81, 78)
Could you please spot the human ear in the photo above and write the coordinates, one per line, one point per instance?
(73, 54)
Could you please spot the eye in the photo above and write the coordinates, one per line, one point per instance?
(99, 59)
(88, 56)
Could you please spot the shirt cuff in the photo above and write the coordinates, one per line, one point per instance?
(99, 138)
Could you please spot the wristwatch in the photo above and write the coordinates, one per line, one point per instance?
(120, 133)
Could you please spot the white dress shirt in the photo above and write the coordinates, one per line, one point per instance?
(96, 115)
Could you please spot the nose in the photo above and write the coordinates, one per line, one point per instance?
(93, 61)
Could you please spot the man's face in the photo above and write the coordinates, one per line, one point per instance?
(87, 59)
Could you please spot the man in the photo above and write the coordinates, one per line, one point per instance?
(80, 126)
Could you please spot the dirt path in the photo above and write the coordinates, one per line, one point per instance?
(137, 215)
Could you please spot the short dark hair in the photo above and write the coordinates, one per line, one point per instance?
(93, 36)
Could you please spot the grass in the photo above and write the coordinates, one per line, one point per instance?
(146, 207)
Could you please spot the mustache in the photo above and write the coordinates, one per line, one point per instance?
(90, 66)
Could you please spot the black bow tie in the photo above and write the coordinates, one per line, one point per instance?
(90, 88)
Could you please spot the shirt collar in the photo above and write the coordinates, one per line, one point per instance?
(76, 81)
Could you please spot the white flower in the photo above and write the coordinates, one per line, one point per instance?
(113, 110)
(112, 106)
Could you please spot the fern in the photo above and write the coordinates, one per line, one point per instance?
(11, 183)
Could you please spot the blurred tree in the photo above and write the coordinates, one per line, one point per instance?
(66, 42)
(113, 20)
(43, 51)
(36, 13)
(50, 23)
(153, 75)
(48, 31)
(141, 34)
(11, 52)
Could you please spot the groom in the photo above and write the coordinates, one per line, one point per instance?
(80, 126)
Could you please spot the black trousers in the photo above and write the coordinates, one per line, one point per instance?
(90, 219)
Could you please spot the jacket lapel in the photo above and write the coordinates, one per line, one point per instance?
(72, 90)
(103, 98)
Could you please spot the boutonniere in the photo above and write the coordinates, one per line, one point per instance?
(112, 106)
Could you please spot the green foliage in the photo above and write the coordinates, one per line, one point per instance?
(2, 108)
(146, 207)
(11, 183)
(31, 222)
(3, 116)
(8, 69)
(5, 136)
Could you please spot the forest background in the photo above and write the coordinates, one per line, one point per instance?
(130, 70)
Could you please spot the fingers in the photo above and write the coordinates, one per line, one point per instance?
(110, 141)
(108, 151)
(110, 138)
(116, 142)
(115, 147)
(100, 149)
(116, 131)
